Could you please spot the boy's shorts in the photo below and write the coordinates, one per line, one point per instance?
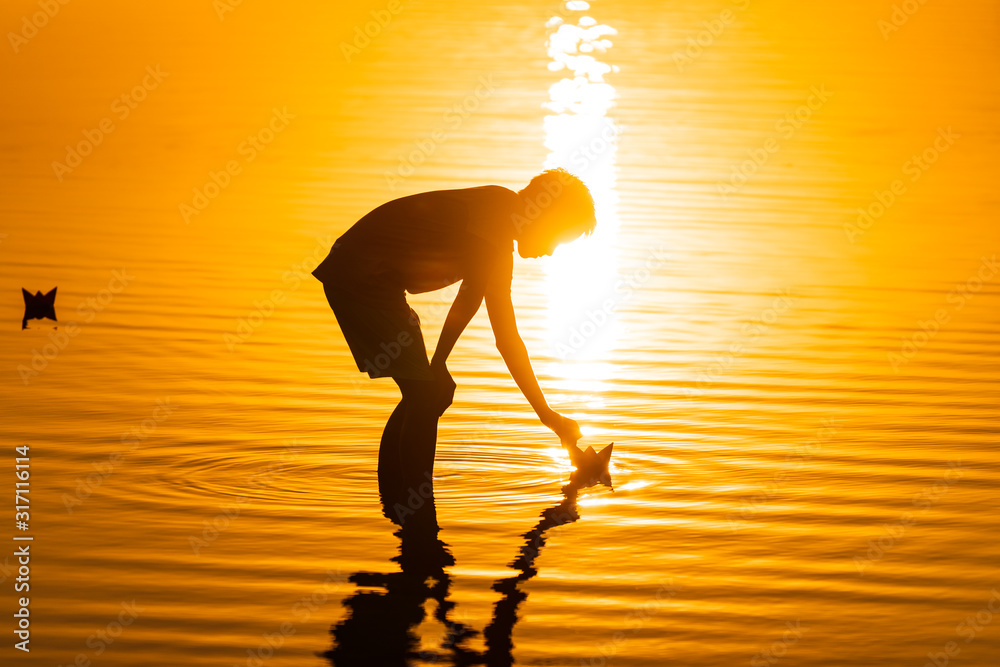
(382, 331)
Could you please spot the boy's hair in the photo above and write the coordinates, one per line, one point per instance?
(569, 198)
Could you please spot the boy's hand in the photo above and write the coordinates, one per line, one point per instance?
(444, 386)
(567, 429)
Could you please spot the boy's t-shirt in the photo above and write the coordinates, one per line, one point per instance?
(425, 241)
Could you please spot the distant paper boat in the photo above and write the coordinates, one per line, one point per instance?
(38, 306)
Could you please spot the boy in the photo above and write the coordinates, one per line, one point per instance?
(425, 242)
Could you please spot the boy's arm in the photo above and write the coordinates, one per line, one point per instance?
(484, 263)
(515, 354)
(463, 309)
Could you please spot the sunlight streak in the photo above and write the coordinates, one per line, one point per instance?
(583, 139)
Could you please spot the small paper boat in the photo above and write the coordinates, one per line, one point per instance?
(591, 465)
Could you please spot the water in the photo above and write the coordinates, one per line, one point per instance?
(804, 414)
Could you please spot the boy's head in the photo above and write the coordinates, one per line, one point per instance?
(558, 208)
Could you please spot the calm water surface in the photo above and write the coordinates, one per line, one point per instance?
(803, 401)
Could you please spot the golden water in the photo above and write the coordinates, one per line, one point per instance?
(793, 483)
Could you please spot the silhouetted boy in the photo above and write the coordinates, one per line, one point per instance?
(428, 241)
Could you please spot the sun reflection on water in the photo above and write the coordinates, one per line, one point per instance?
(582, 138)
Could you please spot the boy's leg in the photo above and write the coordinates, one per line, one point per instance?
(420, 408)
(389, 470)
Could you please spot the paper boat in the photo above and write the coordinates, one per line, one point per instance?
(591, 465)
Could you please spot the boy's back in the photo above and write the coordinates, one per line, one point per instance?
(426, 241)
